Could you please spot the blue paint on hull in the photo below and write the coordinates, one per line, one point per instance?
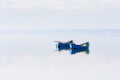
(73, 48)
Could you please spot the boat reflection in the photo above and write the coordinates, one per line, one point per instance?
(72, 51)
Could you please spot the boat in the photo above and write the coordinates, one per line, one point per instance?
(72, 47)
(63, 45)
(79, 48)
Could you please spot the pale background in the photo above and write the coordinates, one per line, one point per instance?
(28, 29)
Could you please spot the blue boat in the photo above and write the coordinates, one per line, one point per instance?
(63, 45)
(72, 47)
(79, 48)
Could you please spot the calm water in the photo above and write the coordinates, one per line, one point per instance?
(32, 55)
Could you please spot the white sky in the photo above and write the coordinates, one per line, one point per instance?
(59, 14)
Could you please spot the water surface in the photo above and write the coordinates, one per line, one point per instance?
(32, 55)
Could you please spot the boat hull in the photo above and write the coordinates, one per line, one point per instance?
(79, 48)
